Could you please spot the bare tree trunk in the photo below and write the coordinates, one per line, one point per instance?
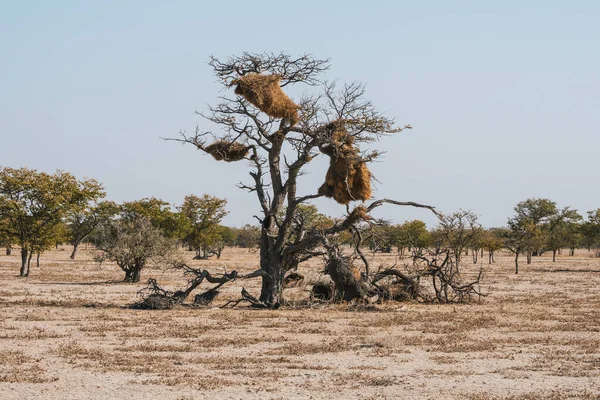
(516, 262)
(37, 261)
(8, 251)
(24, 254)
(347, 280)
(528, 257)
(490, 256)
(136, 275)
(553, 255)
(132, 275)
(75, 246)
(272, 264)
(29, 263)
(475, 254)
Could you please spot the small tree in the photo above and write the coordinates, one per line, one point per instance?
(6, 241)
(492, 241)
(590, 231)
(537, 214)
(226, 237)
(160, 213)
(83, 220)
(248, 236)
(523, 236)
(538, 224)
(204, 215)
(381, 237)
(414, 236)
(563, 231)
(131, 243)
(457, 231)
(33, 205)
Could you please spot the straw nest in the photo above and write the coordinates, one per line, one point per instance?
(226, 151)
(348, 178)
(265, 93)
(358, 214)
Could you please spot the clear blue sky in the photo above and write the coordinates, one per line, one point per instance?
(504, 96)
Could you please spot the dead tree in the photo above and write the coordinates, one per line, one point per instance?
(278, 138)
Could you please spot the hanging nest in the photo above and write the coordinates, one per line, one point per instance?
(348, 177)
(265, 93)
(336, 135)
(226, 151)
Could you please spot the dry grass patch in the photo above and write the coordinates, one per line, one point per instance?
(27, 374)
(34, 333)
(17, 367)
(541, 395)
(299, 348)
(196, 381)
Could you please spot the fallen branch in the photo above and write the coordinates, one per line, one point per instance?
(155, 297)
(254, 302)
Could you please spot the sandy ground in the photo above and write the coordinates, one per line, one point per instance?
(66, 333)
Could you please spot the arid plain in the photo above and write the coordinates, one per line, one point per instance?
(67, 333)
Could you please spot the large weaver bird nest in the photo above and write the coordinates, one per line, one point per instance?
(348, 178)
(265, 93)
(227, 151)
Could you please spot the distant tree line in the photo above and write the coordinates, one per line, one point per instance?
(537, 226)
(39, 211)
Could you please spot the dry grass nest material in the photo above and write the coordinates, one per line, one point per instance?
(227, 151)
(358, 214)
(348, 177)
(265, 93)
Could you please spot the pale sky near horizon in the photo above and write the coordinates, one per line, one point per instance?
(504, 96)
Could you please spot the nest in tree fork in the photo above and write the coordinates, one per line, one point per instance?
(358, 214)
(226, 151)
(265, 93)
(348, 178)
